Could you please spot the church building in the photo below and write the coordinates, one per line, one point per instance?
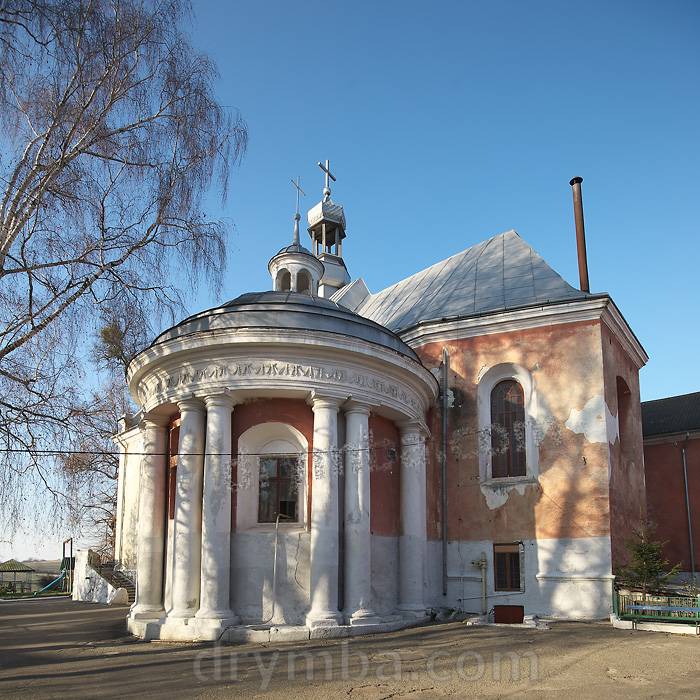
(320, 460)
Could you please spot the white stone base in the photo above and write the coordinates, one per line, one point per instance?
(192, 630)
(179, 629)
(667, 627)
(363, 617)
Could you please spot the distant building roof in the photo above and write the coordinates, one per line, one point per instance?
(12, 565)
(501, 273)
(675, 414)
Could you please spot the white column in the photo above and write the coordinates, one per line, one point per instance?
(324, 515)
(358, 538)
(215, 586)
(412, 542)
(151, 524)
(187, 531)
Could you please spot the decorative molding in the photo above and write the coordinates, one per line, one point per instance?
(619, 327)
(165, 385)
(227, 358)
(573, 577)
(601, 307)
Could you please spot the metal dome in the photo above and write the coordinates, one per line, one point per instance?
(287, 310)
(294, 248)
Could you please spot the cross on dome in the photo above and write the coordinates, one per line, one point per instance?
(329, 176)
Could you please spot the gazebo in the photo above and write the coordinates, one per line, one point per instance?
(14, 567)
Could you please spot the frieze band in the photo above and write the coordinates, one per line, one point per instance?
(336, 375)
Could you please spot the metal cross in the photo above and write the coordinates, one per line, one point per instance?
(301, 192)
(327, 170)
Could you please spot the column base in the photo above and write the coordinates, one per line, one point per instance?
(412, 611)
(363, 617)
(181, 614)
(323, 618)
(209, 622)
(145, 613)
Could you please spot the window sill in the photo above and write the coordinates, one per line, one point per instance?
(506, 481)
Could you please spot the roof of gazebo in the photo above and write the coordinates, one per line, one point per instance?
(12, 565)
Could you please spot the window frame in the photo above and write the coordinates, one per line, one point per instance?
(514, 552)
(487, 379)
(512, 453)
(277, 480)
(268, 438)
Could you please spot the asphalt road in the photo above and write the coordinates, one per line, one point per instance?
(59, 649)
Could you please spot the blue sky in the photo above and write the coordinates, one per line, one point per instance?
(449, 122)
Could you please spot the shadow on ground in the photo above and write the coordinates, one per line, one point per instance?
(52, 648)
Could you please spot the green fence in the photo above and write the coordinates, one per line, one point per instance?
(654, 607)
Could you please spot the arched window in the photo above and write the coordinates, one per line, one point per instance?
(271, 476)
(507, 430)
(284, 281)
(303, 282)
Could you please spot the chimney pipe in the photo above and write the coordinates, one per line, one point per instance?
(580, 234)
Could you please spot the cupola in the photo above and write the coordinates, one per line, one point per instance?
(294, 268)
(327, 231)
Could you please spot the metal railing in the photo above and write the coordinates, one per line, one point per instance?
(657, 607)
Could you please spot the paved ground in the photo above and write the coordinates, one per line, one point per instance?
(57, 648)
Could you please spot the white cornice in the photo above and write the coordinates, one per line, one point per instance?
(598, 308)
(615, 321)
(281, 359)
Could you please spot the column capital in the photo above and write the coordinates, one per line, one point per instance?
(222, 398)
(412, 428)
(154, 420)
(190, 403)
(321, 401)
(352, 406)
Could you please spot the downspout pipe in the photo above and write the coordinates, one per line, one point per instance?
(443, 461)
(691, 543)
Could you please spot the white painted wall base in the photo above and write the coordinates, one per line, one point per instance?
(667, 627)
(564, 578)
(252, 555)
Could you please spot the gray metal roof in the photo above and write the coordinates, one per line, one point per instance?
(498, 274)
(295, 248)
(675, 414)
(289, 310)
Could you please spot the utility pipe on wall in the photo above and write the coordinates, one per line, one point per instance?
(481, 564)
(691, 544)
(443, 462)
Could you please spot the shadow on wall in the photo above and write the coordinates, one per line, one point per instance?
(252, 582)
(559, 515)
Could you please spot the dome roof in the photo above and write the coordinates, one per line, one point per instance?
(294, 248)
(287, 310)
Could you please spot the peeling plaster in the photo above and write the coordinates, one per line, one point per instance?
(496, 496)
(594, 420)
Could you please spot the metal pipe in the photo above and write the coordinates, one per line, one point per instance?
(580, 234)
(443, 463)
(482, 565)
(687, 511)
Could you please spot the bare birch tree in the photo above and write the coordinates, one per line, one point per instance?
(110, 139)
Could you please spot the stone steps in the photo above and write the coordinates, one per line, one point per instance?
(117, 579)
